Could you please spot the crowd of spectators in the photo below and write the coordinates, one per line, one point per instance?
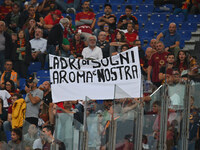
(30, 31)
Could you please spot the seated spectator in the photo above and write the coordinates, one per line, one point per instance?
(31, 136)
(12, 18)
(51, 19)
(166, 71)
(29, 29)
(3, 105)
(31, 13)
(107, 18)
(119, 41)
(49, 139)
(131, 34)
(16, 142)
(76, 44)
(21, 55)
(9, 74)
(182, 62)
(92, 51)
(38, 47)
(110, 35)
(157, 60)
(5, 8)
(127, 18)
(103, 44)
(46, 6)
(85, 20)
(5, 45)
(195, 8)
(171, 39)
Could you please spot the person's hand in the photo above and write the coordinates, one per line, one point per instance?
(124, 21)
(166, 49)
(27, 89)
(39, 24)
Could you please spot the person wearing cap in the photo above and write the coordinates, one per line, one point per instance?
(52, 19)
(33, 99)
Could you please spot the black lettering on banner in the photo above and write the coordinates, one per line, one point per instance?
(114, 77)
(120, 71)
(107, 74)
(122, 58)
(72, 77)
(127, 69)
(79, 76)
(113, 63)
(78, 63)
(71, 64)
(100, 75)
(63, 74)
(55, 77)
(132, 56)
(89, 76)
(105, 62)
(134, 71)
(63, 63)
(98, 64)
(55, 63)
(84, 62)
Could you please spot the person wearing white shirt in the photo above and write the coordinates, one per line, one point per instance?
(38, 46)
(92, 51)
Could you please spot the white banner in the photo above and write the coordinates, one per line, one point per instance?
(73, 79)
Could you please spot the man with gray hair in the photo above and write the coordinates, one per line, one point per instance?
(5, 45)
(55, 37)
(92, 51)
(33, 99)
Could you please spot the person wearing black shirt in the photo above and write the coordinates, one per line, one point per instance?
(103, 44)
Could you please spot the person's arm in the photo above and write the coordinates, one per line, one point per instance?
(41, 7)
(79, 23)
(149, 73)
(87, 21)
(159, 36)
(117, 43)
(93, 23)
(34, 100)
(177, 43)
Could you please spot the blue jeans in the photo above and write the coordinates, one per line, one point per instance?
(7, 126)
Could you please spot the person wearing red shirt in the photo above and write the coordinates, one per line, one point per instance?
(131, 35)
(181, 61)
(157, 60)
(52, 19)
(85, 20)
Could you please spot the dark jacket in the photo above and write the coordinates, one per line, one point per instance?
(8, 45)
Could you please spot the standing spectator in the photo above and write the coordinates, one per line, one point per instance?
(76, 44)
(103, 44)
(110, 35)
(9, 74)
(182, 61)
(171, 39)
(153, 44)
(166, 71)
(92, 51)
(119, 41)
(29, 29)
(5, 8)
(47, 99)
(157, 60)
(46, 7)
(5, 45)
(38, 46)
(12, 18)
(31, 13)
(85, 20)
(21, 55)
(16, 142)
(131, 35)
(18, 112)
(127, 18)
(55, 37)
(33, 98)
(107, 18)
(51, 19)
(49, 139)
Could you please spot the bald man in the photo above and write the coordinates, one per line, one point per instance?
(170, 38)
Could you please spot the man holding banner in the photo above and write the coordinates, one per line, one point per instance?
(92, 51)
